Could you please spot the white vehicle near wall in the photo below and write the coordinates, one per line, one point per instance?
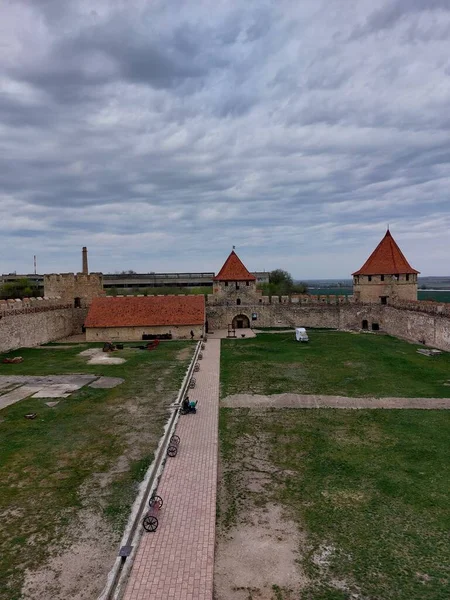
(301, 335)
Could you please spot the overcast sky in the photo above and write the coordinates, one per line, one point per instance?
(161, 133)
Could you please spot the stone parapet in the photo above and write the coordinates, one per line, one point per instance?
(426, 306)
(31, 305)
(308, 299)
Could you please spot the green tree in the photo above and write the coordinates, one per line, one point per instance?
(281, 283)
(22, 288)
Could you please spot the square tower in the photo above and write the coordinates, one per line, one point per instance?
(234, 284)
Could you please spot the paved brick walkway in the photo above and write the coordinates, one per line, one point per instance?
(177, 561)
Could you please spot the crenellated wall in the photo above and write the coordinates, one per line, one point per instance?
(69, 286)
(34, 321)
(420, 322)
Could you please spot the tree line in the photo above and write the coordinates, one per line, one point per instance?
(22, 288)
(281, 283)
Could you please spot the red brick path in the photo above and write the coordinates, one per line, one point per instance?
(177, 560)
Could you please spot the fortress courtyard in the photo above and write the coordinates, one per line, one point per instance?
(316, 471)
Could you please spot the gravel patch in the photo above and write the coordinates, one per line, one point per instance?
(106, 382)
(318, 401)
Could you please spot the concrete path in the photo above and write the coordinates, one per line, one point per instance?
(14, 388)
(177, 561)
(311, 401)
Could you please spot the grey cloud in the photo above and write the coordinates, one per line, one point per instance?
(152, 133)
(393, 11)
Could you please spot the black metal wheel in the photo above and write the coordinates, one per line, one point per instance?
(150, 523)
(155, 501)
(172, 451)
(175, 438)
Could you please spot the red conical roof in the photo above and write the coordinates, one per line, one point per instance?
(234, 270)
(386, 259)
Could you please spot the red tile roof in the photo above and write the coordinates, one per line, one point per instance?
(386, 259)
(234, 270)
(147, 311)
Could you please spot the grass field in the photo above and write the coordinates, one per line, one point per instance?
(73, 472)
(437, 295)
(333, 362)
(368, 492)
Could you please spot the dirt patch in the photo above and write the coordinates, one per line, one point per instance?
(98, 357)
(76, 571)
(184, 353)
(258, 556)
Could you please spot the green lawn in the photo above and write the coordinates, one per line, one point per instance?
(369, 491)
(89, 452)
(333, 362)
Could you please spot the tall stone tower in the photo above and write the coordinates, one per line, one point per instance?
(386, 276)
(234, 284)
(77, 289)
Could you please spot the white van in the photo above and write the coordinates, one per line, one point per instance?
(301, 335)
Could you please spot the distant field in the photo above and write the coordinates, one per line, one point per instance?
(439, 295)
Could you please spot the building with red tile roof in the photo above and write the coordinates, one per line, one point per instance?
(387, 259)
(386, 275)
(235, 285)
(129, 318)
(234, 270)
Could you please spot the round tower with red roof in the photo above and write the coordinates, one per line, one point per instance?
(386, 275)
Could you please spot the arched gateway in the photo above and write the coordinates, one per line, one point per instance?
(241, 322)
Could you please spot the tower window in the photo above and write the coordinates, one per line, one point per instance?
(407, 277)
(238, 301)
(382, 278)
(370, 278)
(247, 283)
(77, 302)
(237, 285)
(226, 283)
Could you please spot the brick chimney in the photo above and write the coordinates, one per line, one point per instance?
(85, 262)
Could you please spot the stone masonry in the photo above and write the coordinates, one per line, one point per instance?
(78, 290)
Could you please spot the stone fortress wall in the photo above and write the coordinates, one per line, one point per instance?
(69, 286)
(419, 322)
(34, 321)
(37, 321)
(63, 310)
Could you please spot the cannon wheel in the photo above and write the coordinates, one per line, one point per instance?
(155, 501)
(175, 438)
(172, 451)
(150, 523)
